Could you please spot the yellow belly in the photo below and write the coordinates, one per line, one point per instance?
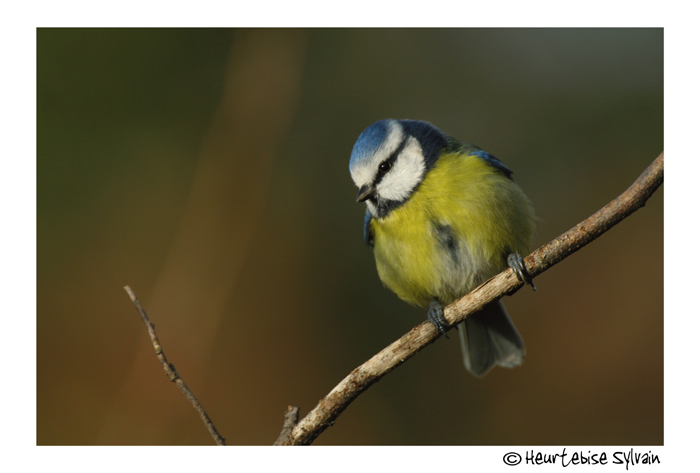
(453, 233)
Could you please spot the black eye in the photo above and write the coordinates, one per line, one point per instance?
(384, 167)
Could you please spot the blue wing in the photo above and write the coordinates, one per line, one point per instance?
(369, 236)
(493, 161)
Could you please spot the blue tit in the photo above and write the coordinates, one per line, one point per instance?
(443, 217)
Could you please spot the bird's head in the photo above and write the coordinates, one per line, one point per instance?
(390, 159)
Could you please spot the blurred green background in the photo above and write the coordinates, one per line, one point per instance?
(207, 168)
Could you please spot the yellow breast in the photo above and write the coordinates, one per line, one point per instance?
(453, 233)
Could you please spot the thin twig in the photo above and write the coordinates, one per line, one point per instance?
(362, 377)
(170, 372)
(291, 417)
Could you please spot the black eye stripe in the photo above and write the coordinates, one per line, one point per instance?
(390, 161)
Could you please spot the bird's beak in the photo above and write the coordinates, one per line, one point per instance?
(364, 193)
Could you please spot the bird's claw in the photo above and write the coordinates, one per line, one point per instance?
(436, 315)
(517, 264)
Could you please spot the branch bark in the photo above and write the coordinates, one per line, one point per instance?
(291, 417)
(505, 283)
(170, 371)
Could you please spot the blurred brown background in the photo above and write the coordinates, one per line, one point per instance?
(208, 170)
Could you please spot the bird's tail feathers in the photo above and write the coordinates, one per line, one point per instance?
(489, 338)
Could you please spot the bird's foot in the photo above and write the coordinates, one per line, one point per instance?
(517, 264)
(437, 316)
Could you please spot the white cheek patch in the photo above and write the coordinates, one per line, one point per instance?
(372, 208)
(405, 174)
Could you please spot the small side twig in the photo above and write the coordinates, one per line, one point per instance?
(290, 420)
(170, 370)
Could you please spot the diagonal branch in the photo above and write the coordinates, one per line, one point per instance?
(170, 372)
(362, 377)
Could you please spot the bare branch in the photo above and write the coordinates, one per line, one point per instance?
(290, 420)
(170, 370)
(362, 377)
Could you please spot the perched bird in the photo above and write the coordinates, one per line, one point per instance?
(443, 217)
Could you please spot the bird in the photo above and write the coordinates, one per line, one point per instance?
(442, 217)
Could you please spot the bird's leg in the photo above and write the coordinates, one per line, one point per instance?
(515, 261)
(437, 316)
